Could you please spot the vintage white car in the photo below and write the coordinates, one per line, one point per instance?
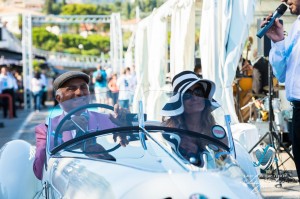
(134, 156)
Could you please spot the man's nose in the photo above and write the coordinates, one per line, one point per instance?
(79, 92)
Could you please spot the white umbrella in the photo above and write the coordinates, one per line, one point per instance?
(224, 28)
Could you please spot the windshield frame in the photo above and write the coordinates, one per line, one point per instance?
(135, 128)
(185, 132)
(90, 135)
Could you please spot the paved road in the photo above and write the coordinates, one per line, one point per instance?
(23, 128)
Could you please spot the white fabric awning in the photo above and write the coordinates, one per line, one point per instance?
(182, 45)
(224, 28)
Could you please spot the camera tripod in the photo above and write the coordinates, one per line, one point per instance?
(271, 133)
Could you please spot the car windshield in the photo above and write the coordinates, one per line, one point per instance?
(141, 138)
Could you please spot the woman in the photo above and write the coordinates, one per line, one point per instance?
(114, 89)
(190, 108)
(191, 105)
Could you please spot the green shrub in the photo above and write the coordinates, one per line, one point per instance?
(92, 52)
(72, 50)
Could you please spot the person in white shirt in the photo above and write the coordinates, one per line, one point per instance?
(285, 60)
(133, 83)
(124, 89)
(37, 90)
(8, 85)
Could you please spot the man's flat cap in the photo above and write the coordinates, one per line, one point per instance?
(60, 80)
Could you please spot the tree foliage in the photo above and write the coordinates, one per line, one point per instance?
(48, 6)
(94, 44)
(69, 43)
(126, 8)
(79, 9)
(41, 37)
(56, 8)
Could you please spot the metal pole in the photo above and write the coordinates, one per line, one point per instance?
(271, 122)
(27, 59)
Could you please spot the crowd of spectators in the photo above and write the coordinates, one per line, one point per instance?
(109, 88)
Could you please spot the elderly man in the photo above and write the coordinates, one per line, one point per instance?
(70, 85)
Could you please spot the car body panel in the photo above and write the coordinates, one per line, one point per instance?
(16, 176)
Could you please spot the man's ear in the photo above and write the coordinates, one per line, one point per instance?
(57, 97)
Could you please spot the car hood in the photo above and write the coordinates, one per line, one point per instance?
(83, 178)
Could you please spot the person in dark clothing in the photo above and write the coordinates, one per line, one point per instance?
(244, 68)
(260, 75)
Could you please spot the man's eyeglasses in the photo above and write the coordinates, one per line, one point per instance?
(196, 92)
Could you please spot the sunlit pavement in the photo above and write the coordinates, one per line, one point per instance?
(287, 191)
(290, 189)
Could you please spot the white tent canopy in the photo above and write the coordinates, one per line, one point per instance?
(224, 28)
(182, 45)
(151, 47)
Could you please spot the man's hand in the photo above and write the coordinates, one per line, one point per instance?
(121, 139)
(275, 33)
(101, 155)
(119, 117)
(247, 66)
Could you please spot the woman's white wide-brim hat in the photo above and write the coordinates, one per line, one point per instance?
(180, 84)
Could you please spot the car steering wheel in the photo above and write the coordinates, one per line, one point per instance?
(68, 116)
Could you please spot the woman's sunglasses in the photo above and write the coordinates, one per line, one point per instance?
(190, 93)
